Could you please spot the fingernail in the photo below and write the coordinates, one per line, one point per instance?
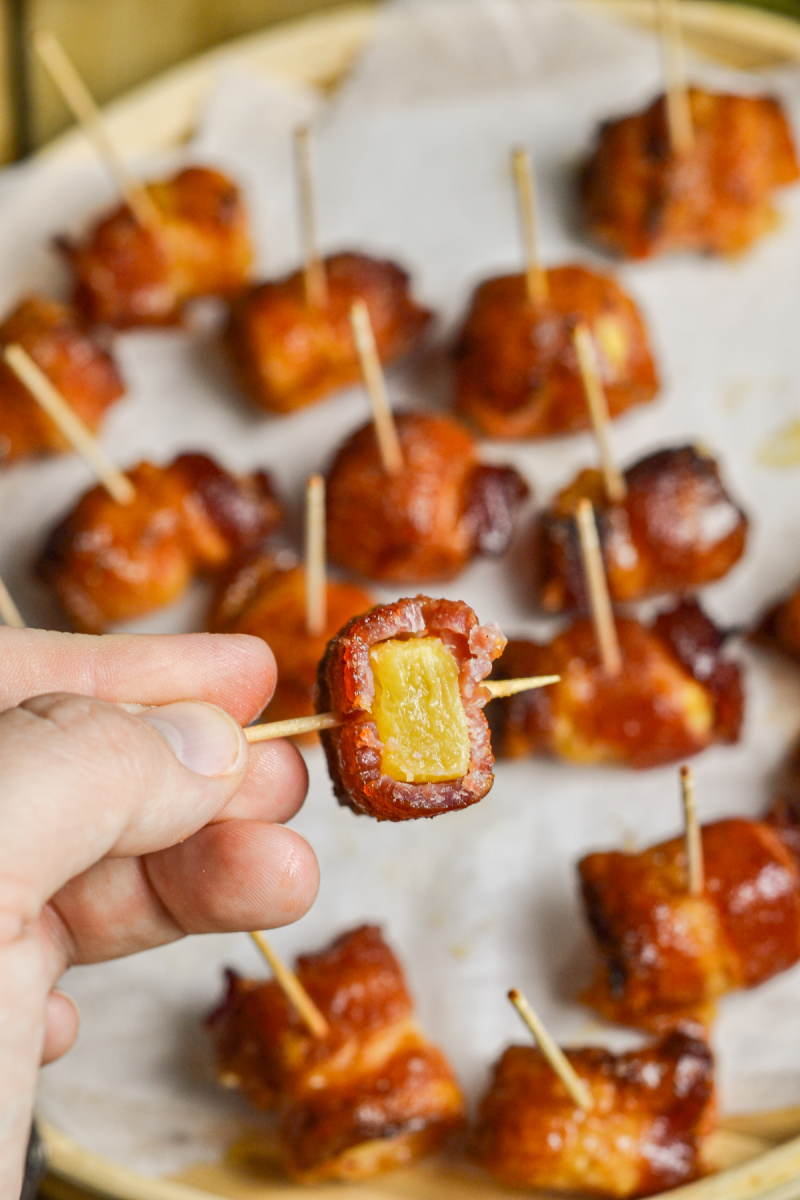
(204, 738)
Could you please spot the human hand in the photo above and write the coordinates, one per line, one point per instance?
(123, 830)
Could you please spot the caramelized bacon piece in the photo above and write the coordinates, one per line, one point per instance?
(518, 371)
(357, 757)
(641, 199)
(779, 628)
(372, 1094)
(128, 275)
(289, 353)
(675, 695)
(653, 1110)
(676, 530)
(110, 562)
(268, 601)
(783, 814)
(428, 520)
(78, 367)
(667, 955)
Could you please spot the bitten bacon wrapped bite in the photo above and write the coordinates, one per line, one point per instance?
(427, 520)
(405, 679)
(668, 955)
(108, 562)
(676, 530)
(371, 1094)
(653, 1110)
(289, 352)
(641, 198)
(518, 374)
(77, 366)
(674, 696)
(127, 274)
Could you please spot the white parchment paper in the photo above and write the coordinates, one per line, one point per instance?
(413, 163)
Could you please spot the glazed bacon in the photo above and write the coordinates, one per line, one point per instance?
(675, 694)
(653, 1111)
(783, 814)
(108, 562)
(779, 628)
(289, 353)
(357, 756)
(426, 521)
(518, 374)
(77, 366)
(372, 1094)
(676, 530)
(667, 956)
(640, 198)
(127, 275)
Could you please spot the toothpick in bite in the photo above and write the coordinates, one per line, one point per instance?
(385, 428)
(679, 110)
(598, 411)
(9, 612)
(293, 989)
(315, 572)
(314, 274)
(535, 274)
(599, 600)
(695, 874)
(576, 1088)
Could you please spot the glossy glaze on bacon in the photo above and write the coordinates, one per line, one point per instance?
(779, 628)
(640, 198)
(289, 353)
(675, 696)
(127, 275)
(371, 1094)
(346, 687)
(268, 601)
(426, 522)
(676, 530)
(653, 1111)
(77, 366)
(667, 956)
(108, 562)
(518, 374)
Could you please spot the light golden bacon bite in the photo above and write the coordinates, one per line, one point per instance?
(77, 366)
(426, 521)
(653, 1111)
(405, 679)
(108, 562)
(675, 695)
(126, 274)
(518, 374)
(676, 530)
(372, 1094)
(641, 198)
(667, 955)
(289, 352)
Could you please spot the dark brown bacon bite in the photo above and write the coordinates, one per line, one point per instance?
(653, 1112)
(372, 1094)
(108, 562)
(406, 680)
(666, 955)
(127, 274)
(426, 521)
(289, 352)
(675, 695)
(640, 198)
(779, 628)
(676, 530)
(518, 374)
(783, 814)
(75, 364)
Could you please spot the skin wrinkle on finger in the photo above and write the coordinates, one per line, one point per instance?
(274, 787)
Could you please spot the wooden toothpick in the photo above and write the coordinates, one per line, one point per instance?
(315, 574)
(535, 274)
(79, 101)
(385, 428)
(9, 612)
(576, 1088)
(599, 600)
(679, 110)
(300, 725)
(293, 989)
(695, 874)
(118, 486)
(598, 411)
(314, 274)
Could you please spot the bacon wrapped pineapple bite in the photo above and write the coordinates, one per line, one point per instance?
(369, 1094)
(641, 197)
(108, 562)
(130, 273)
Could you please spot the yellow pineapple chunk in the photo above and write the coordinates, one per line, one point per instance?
(418, 711)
